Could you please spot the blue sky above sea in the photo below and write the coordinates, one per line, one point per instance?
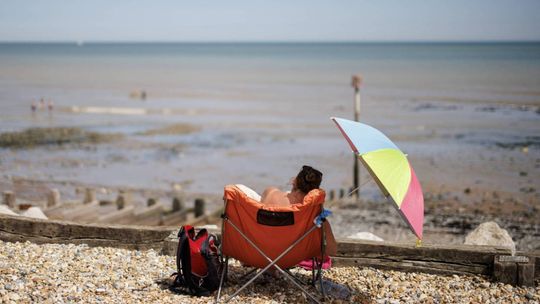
(264, 21)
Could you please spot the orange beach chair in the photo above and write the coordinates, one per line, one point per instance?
(265, 236)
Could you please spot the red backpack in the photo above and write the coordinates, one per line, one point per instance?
(198, 262)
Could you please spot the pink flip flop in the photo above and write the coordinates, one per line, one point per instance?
(307, 264)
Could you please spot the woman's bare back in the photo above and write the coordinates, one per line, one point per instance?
(276, 197)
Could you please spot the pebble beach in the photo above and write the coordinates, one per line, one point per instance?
(53, 273)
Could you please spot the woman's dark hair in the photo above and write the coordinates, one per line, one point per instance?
(308, 179)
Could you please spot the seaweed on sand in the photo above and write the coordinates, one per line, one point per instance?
(175, 129)
(53, 136)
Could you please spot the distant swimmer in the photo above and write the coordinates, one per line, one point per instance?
(42, 103)
(50, 105)
(33, 106)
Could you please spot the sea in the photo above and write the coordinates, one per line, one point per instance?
(262, 109)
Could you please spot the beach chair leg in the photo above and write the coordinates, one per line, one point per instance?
(313, 272)
(223, 275)
(323, 292)
(321, 262)
(272, 263)
(244, 286)
(293, 280)
(295, 277)
(316, 276)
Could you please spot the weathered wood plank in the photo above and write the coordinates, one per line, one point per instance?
(14, 228)
(93, 242)
(175, 218)
(117, 216)
(413, 266)
(534, 255)
(57, 212)
(150, 215)
(87, 210)
(459, 254)
(205, 219)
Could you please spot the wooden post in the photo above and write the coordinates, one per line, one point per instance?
(199, 207)
(53, 198)
(341, 193)
(89, 196)
(9, 199)
(504, 271)
(177, 204)
(356, 82)
(121, 200)
(525, 273)
(332, 195)
(514, 270)
(151, 202)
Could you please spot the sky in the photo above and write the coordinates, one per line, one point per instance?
(269, 20)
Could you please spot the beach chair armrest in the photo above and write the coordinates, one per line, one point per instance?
(322, 217)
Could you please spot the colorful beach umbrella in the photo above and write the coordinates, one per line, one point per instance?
(389, 167)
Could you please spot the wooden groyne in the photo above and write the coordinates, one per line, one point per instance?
(22, 229)
(122, 210)
(436, 259)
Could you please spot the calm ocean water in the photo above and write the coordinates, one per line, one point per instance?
(231, 89)
(104, 74)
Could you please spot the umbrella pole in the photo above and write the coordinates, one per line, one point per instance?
(356, 179)
(356, 81)
(358, 188)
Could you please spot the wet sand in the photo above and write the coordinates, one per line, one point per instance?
(475, 160)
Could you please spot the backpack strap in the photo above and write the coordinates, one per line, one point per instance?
(179, 285)
(187, 282)
(182, 240)
(212, 255)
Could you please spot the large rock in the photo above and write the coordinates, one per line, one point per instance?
(365, 236)
(490, 234)
(4, 209)
(34, 212)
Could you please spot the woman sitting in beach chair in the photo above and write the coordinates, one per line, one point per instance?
(278, 230)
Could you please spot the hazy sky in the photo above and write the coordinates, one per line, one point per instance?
(270, 20)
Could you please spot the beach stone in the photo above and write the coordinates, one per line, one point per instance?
(15, 297)
(34, 212)
(365, 236)
(490, 234)
(4, 209)
(55, 274)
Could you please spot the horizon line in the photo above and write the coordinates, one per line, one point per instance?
(264, 41)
